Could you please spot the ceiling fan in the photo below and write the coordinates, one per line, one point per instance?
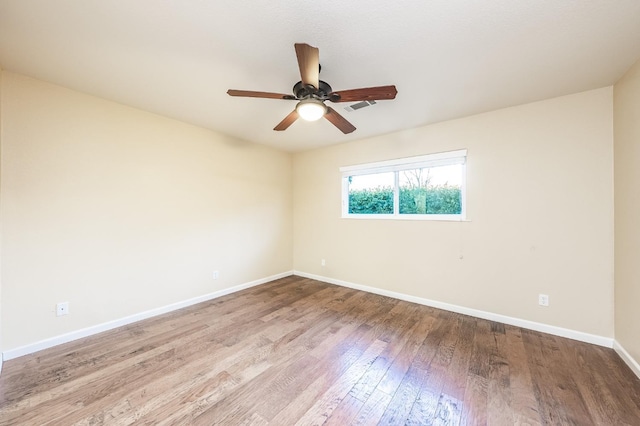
(311, 92)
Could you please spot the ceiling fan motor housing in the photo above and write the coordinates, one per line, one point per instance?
(302, 91)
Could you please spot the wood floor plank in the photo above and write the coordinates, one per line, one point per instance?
(373, 409)
(345, 412)
(324, 406)
(499, 391)
(553, 384)
(32, 379)
(605, 401)
(341, 357)
(318, 339)
(448, 411)
(268, 369)
(402, 330)
(474, 409)
(426, 405)
(401, 364)
(299, 351)
(108, 373)
(523, 402)
(458, 366)
(404, 398)
(159, 392)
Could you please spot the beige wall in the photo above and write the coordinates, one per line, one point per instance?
(1, 344)
(627, 210)
(540, 210)
(119, 211)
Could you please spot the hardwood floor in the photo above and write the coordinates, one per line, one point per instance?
(298, 351)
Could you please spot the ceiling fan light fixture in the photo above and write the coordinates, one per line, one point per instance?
(311, 109)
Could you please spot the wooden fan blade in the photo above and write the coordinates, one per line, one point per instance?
(379, 93)
(288, 121)
(339, 121)
(309, 63)
(253, 94)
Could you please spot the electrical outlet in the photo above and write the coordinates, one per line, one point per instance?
(62, 308)
(216, 274)
(323, 263)
(543, 300)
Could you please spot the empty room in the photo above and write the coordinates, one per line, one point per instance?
(307, 213)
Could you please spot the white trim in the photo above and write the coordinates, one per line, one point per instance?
(345, 197)
(626, 357)
(433, 217)
(518, 322)
(403, 164)
(109, 325)
(463, 194)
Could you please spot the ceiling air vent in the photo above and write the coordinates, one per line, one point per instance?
(359, 105)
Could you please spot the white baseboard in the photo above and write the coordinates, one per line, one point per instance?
(627, 358)
(545, 328)
(89, 331)
(531, 325)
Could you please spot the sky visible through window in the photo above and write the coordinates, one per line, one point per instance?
(441, 175)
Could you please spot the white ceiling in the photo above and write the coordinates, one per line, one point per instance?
(448, 58)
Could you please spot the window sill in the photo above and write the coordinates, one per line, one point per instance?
(427, 218)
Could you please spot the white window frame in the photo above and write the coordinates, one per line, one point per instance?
(401, 164)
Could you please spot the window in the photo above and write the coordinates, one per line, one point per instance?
(425, 187)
